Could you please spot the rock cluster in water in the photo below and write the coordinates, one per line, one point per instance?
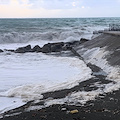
(49, 47)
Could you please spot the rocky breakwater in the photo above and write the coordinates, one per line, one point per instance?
(23, 49)
(49, 47)
(28, 48)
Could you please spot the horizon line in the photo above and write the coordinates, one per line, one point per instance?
(51, 17)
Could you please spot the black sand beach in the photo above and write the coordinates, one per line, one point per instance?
(104, 107)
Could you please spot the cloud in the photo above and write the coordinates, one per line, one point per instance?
(83, 7)
(56, 4)
(4, 1)
(22, 9)
(25, 9)
(58, 8)
(15, 9)
(73, 4)
(38, 8)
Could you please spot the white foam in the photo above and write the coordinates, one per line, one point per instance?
(49, 36)
(81, 97)
(97, 56)
(53, 76)
(75, 98)
(9, 103)
(28, 75)
(67, 71)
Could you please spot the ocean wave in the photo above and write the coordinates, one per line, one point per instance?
(60, 35)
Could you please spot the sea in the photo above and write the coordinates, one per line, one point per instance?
(24, 77)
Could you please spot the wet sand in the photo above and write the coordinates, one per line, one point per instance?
(104, 107)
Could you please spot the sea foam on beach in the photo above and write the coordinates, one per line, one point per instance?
(28, 75)
(95, 56)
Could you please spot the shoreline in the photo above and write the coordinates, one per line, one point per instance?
(105, 106)
(102, 108)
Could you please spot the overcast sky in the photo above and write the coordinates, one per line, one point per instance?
(59, 8)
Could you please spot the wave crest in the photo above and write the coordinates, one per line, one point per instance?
(61, 35)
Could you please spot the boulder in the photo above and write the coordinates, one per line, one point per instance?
(82, 40)
(1, 50)
(57, 47)
(37, 48)
(73, 43)
(46, 48)
(24, 49)
(52, 47)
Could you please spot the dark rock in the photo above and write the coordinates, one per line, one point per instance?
(76, 43)
(37, 48)
(58, 43)
(67, 47)
(73, 43)
(1, 50)
(46, 48)
(10, 50)
(57, 47)
(24, 49)
(52, 47)
(82, 40)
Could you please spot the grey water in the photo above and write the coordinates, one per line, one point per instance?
(51, 29)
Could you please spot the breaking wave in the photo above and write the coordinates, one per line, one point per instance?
(16, 37)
